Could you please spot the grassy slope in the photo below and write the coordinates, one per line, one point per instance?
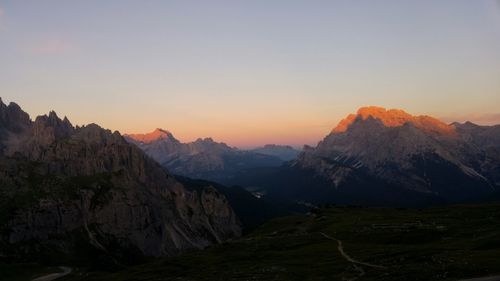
(446, 243)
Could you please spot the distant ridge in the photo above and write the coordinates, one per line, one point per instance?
(156, 135)
(284, 152)
(203, 158)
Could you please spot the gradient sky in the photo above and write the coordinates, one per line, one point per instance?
(249, 72)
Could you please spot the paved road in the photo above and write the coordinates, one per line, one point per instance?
(54, 276)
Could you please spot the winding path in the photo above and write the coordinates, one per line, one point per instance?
(354, 262)
(361, 271)
(54, 276)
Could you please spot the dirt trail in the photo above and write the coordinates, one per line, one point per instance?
(54, 276)
(354, 262)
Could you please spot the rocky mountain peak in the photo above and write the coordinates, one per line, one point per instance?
(93, 133)
(387, 153)
(466, 124)
(205, 140)
(12, 117)
(209, 145)
(395, 118)
(51, 127)
(157, 134)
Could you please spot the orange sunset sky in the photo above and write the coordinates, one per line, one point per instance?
(249, 72)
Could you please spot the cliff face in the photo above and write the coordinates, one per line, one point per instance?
(62, 186)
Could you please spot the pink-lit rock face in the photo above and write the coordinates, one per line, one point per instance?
(395, 118)
(151, 137)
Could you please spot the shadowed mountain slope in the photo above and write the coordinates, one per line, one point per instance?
(83, 192)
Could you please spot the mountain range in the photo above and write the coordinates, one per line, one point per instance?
(205, 158)
(89, 194)
(86, 193)
(390, 158)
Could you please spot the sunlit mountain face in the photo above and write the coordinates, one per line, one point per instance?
(395, 118)
(392, 158)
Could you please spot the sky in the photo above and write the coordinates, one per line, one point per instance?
(249, 72)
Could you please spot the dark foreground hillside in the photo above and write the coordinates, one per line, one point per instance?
(448, 243)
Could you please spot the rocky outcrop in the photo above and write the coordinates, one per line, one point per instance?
(62, 186)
